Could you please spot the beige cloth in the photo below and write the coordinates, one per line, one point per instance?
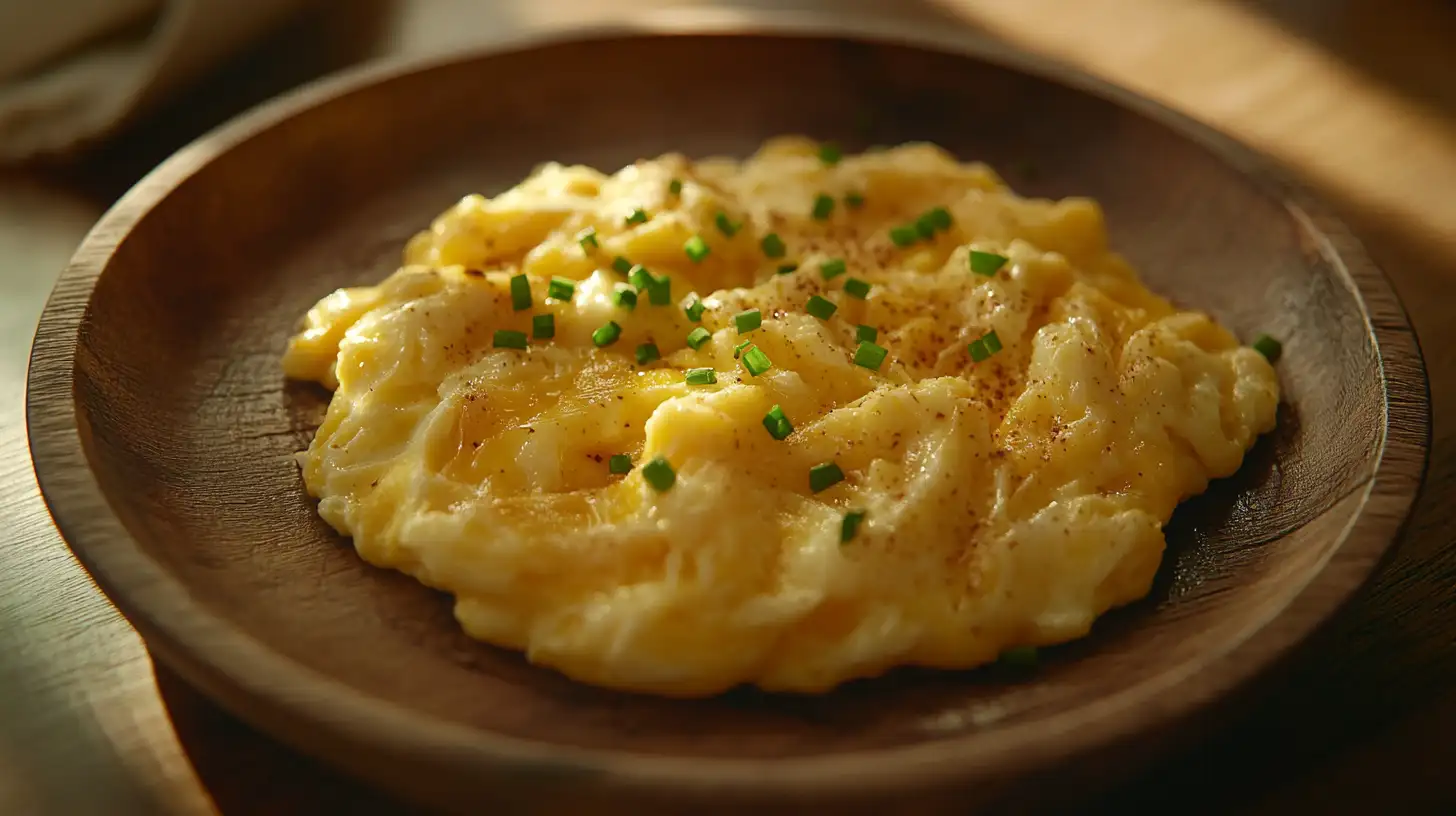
(71, 71)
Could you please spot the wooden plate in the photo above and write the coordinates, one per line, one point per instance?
(163, 431)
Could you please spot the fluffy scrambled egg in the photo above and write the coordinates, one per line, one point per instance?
(976, 450)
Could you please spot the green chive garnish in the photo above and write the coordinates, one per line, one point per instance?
(607, 335)
(986, 263)
(1269, 347)
(777, 424)
(621, 265)
(659, 291)
(747, 321)
(588, 239)
(620, 463)
(788, 269)
(866, 334)
(674, 187)
(738, 349)
(823, 207)
(833, 268)
(824, 476)
(696, 248)
(993, 343)
(939, 218)
(725, 225)
(647, 352)
(625, 299)
(639, 277)
(856, 288)
(983, 347)
(543, 326)
(756, 361)
(830, 154)
(638, 216)
(924, 227)
(773, 245)
(697, 337)
(509, 339)
(903, 236)
(870, 356)
(850, 525)
(694, 309)
(561, 288)
(1021, 657)
(854, 200)
(821, 308)
(520, 292)
(700, 376)
(659, 474)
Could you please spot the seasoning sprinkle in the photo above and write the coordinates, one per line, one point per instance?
(756, 361)
(820, 307)
(747, 320)
(725, 225)
(866, 334)
(830, 154)
(620, 463)
(520, 292)
(870, 355)
(674, 187)
(696, 249)
(607, 335)
(986, 263)
(824, 476)
(588, 239)
(700, 376)
(621, 265)
(777, 424)
(903, 236)
(647, 352)
(504, 338)
(543, 326)
(856, 288)
(823, 207)
(697, 337)
(1269, 347)
(694, 309)
(625, 299)
(561, 288)
(773, 246)
(833, 268)
(659, 474)
(849, 527)
(638, 216)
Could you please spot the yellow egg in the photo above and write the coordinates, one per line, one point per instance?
(1036, 416)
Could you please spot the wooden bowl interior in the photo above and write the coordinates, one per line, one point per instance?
(191, 429)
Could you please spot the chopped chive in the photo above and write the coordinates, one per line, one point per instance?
(823, 207)
(820, 307)
(647, 352)
(830, 154)
(561, 288)
(824, 476)
(866, 334)
(725, 225)
(756, 361)
(625, 299)
(833, 268)
(856, 288)
(940, 218)
(738, 349)
(620, 463)
(777, 424)
(588, 239)
(700, 376)
(674, 187)
(850, 525)
(986, 263)
(983, 347)
(773, 245)
(638, 216)
(1269, 347)
(993, 343)
(853, 200)
(520, 292)
(1021, 657)
(870, 355)
(659, 474)
(748, 320)
(694, 309)
(607, 335)
(696, 249)
(697, 337)
(788, 269)
(504, 338)
(659, 291)
(924, 227)
(621, 265)
(639, 277)
(903, 236)
(543, 326)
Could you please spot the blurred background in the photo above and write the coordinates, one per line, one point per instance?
(1355, 97)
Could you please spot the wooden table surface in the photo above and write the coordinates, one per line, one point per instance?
(1356, 96)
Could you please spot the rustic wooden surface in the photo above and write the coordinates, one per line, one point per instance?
(1357, 97)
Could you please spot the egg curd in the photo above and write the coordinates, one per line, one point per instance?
(785, 421)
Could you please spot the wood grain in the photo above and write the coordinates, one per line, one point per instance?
(163, 432)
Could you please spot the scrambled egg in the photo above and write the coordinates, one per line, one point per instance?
(999, 478)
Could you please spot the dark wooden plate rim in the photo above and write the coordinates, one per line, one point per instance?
(233, 666)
